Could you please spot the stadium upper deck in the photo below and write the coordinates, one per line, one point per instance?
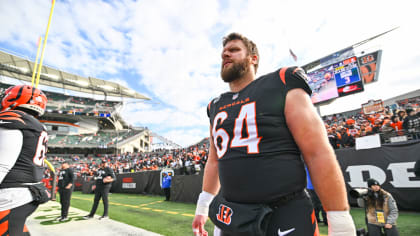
(79, 122)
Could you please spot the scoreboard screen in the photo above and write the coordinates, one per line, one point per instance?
(347, 77)
(344, 77)
(323, 85)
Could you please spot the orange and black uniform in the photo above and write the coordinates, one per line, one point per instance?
(28, 167)
(259, 161)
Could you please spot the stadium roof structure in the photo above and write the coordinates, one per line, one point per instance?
(21, 69)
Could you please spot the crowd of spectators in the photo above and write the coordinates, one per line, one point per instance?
(60, 103)
(184, 161)
(342, 131)
(99, 139)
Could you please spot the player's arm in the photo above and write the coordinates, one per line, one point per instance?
(110, 177)
(310, 135)
(211, 186)
(11, 141)
(71, 178)
(211, 182)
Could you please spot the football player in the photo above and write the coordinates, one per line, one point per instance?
(259, 131)
(23, 146)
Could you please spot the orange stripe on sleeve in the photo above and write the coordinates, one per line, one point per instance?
(9, 113)
(283, 74)
(12, 118)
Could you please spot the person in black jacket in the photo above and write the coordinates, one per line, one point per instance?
(65, 188)
(104, 177)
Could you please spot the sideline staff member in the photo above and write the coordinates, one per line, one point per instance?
(65, 188)
(381, 210)
(23, 145)
(166, 185)
(258, 131)
(104, 177)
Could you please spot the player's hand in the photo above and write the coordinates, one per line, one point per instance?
(93, 187)
(340, 223)
(198, 225)
(68, 186)
(388, 226)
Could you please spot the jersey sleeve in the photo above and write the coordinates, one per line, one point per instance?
(71, 176)
(12, 120)
(294, 77)
(15, 119)
(208, 108)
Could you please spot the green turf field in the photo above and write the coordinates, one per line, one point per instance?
(170, 218)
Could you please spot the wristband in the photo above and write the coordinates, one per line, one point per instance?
(203, 203)
(340, 223)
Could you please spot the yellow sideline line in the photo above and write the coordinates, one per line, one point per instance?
(141, 206)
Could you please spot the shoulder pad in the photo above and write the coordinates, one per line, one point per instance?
(19, 120)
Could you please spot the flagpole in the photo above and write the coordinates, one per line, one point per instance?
(43, 46)
(36, 59)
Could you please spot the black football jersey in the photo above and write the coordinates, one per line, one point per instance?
(65, 176)
(259, 160)
(29, 166)
(102, 173)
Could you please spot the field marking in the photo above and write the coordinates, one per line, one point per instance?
(150, 203)
(140, 206)
(172, 212)
(148, 208)
(184, 214)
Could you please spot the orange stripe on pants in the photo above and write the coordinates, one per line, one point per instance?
(316, 233)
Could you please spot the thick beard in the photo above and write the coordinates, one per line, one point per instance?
(236, 71)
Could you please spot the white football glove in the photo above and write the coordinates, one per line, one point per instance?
(340, 223)
(203, 203)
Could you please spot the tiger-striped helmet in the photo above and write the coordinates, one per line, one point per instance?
(24, 96)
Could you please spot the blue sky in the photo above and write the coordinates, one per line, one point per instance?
(170, 50)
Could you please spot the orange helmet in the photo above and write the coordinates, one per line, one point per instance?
(24, 96)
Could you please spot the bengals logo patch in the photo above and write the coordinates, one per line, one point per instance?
(225, 214)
